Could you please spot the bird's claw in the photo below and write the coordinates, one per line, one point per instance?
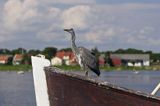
(86, 73)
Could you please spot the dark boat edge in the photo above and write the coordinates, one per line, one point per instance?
(99, 83)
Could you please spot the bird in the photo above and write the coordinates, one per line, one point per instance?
(85, 58)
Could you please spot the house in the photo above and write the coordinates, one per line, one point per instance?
(130, 59)
(5, 59)
(17, 59)
(116, 61)
(63, 57)
(56, 61)
(102, 60)
(69, 58)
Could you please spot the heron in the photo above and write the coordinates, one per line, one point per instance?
(85, 58)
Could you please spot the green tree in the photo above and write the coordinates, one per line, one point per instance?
(33, 52)
(96, 52)
(134, 51)
(10, 61)
(155, 56)
(66, 49)
(49, 52)
(5, 51)
(19, 51)
(129, 51)
(26, 59)
(119, 51)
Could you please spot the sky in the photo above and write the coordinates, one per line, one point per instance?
(105, 24)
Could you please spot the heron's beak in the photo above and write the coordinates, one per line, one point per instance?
(66, 30)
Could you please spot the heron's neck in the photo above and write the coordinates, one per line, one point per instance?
(74, 47)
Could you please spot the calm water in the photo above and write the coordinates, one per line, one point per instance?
(144, 81)
(18, 90)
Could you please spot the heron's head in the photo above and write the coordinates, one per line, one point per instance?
(69, 30)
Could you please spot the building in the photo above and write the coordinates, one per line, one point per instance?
(63, 57)
(102, 60)
(56, 61)
(5, 59)
(130, 59)
(17, 59)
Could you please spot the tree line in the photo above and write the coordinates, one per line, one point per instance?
(50, 52)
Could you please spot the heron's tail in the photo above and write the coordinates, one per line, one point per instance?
(97, 71)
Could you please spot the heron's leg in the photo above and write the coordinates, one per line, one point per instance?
(86, 73)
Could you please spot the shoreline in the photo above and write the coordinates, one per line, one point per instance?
(109, 68)
(28, 68)
(25, 68)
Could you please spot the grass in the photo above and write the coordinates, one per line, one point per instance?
(77, 68)
(15, 67)
(71, 68)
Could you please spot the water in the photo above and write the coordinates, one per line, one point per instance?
(18, 90)
(144, 81)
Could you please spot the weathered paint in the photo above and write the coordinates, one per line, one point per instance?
(66, 89)
(40, 85)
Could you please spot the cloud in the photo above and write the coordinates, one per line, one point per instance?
(50, 34)
(95, 24)
(120, 21)
(99, 36)
(76, 17)
(138, 6)
(5, 35)
(146, 30)
(126, 7)
(16, 12)
(52, 11)
(153, 42)
(70, 1)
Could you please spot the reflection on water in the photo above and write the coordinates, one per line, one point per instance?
(144, 81)
(18, 90)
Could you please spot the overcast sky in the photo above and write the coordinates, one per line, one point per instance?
(106, 24)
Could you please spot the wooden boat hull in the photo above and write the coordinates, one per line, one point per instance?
(66, 89)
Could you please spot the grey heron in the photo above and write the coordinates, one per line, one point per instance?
(84, 57)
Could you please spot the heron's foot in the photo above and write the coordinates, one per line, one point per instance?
(86, 73)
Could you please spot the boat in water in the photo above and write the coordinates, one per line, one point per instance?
(66, 88)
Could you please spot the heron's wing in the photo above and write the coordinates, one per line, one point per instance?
(84, 49)
(90, 59)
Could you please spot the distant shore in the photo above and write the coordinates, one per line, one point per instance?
(109, 68)
(77, 68)
(15, 67)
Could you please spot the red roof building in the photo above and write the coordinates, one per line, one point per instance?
(116, 61)
(102, 60)
(4, 59)
(130, 59)
(68, 57)
(17, 59)
(60, 54)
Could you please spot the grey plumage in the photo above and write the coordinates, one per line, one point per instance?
(84, 57)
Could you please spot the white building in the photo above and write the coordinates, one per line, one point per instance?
(133, 59)
(56, 61)
(66, 60)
